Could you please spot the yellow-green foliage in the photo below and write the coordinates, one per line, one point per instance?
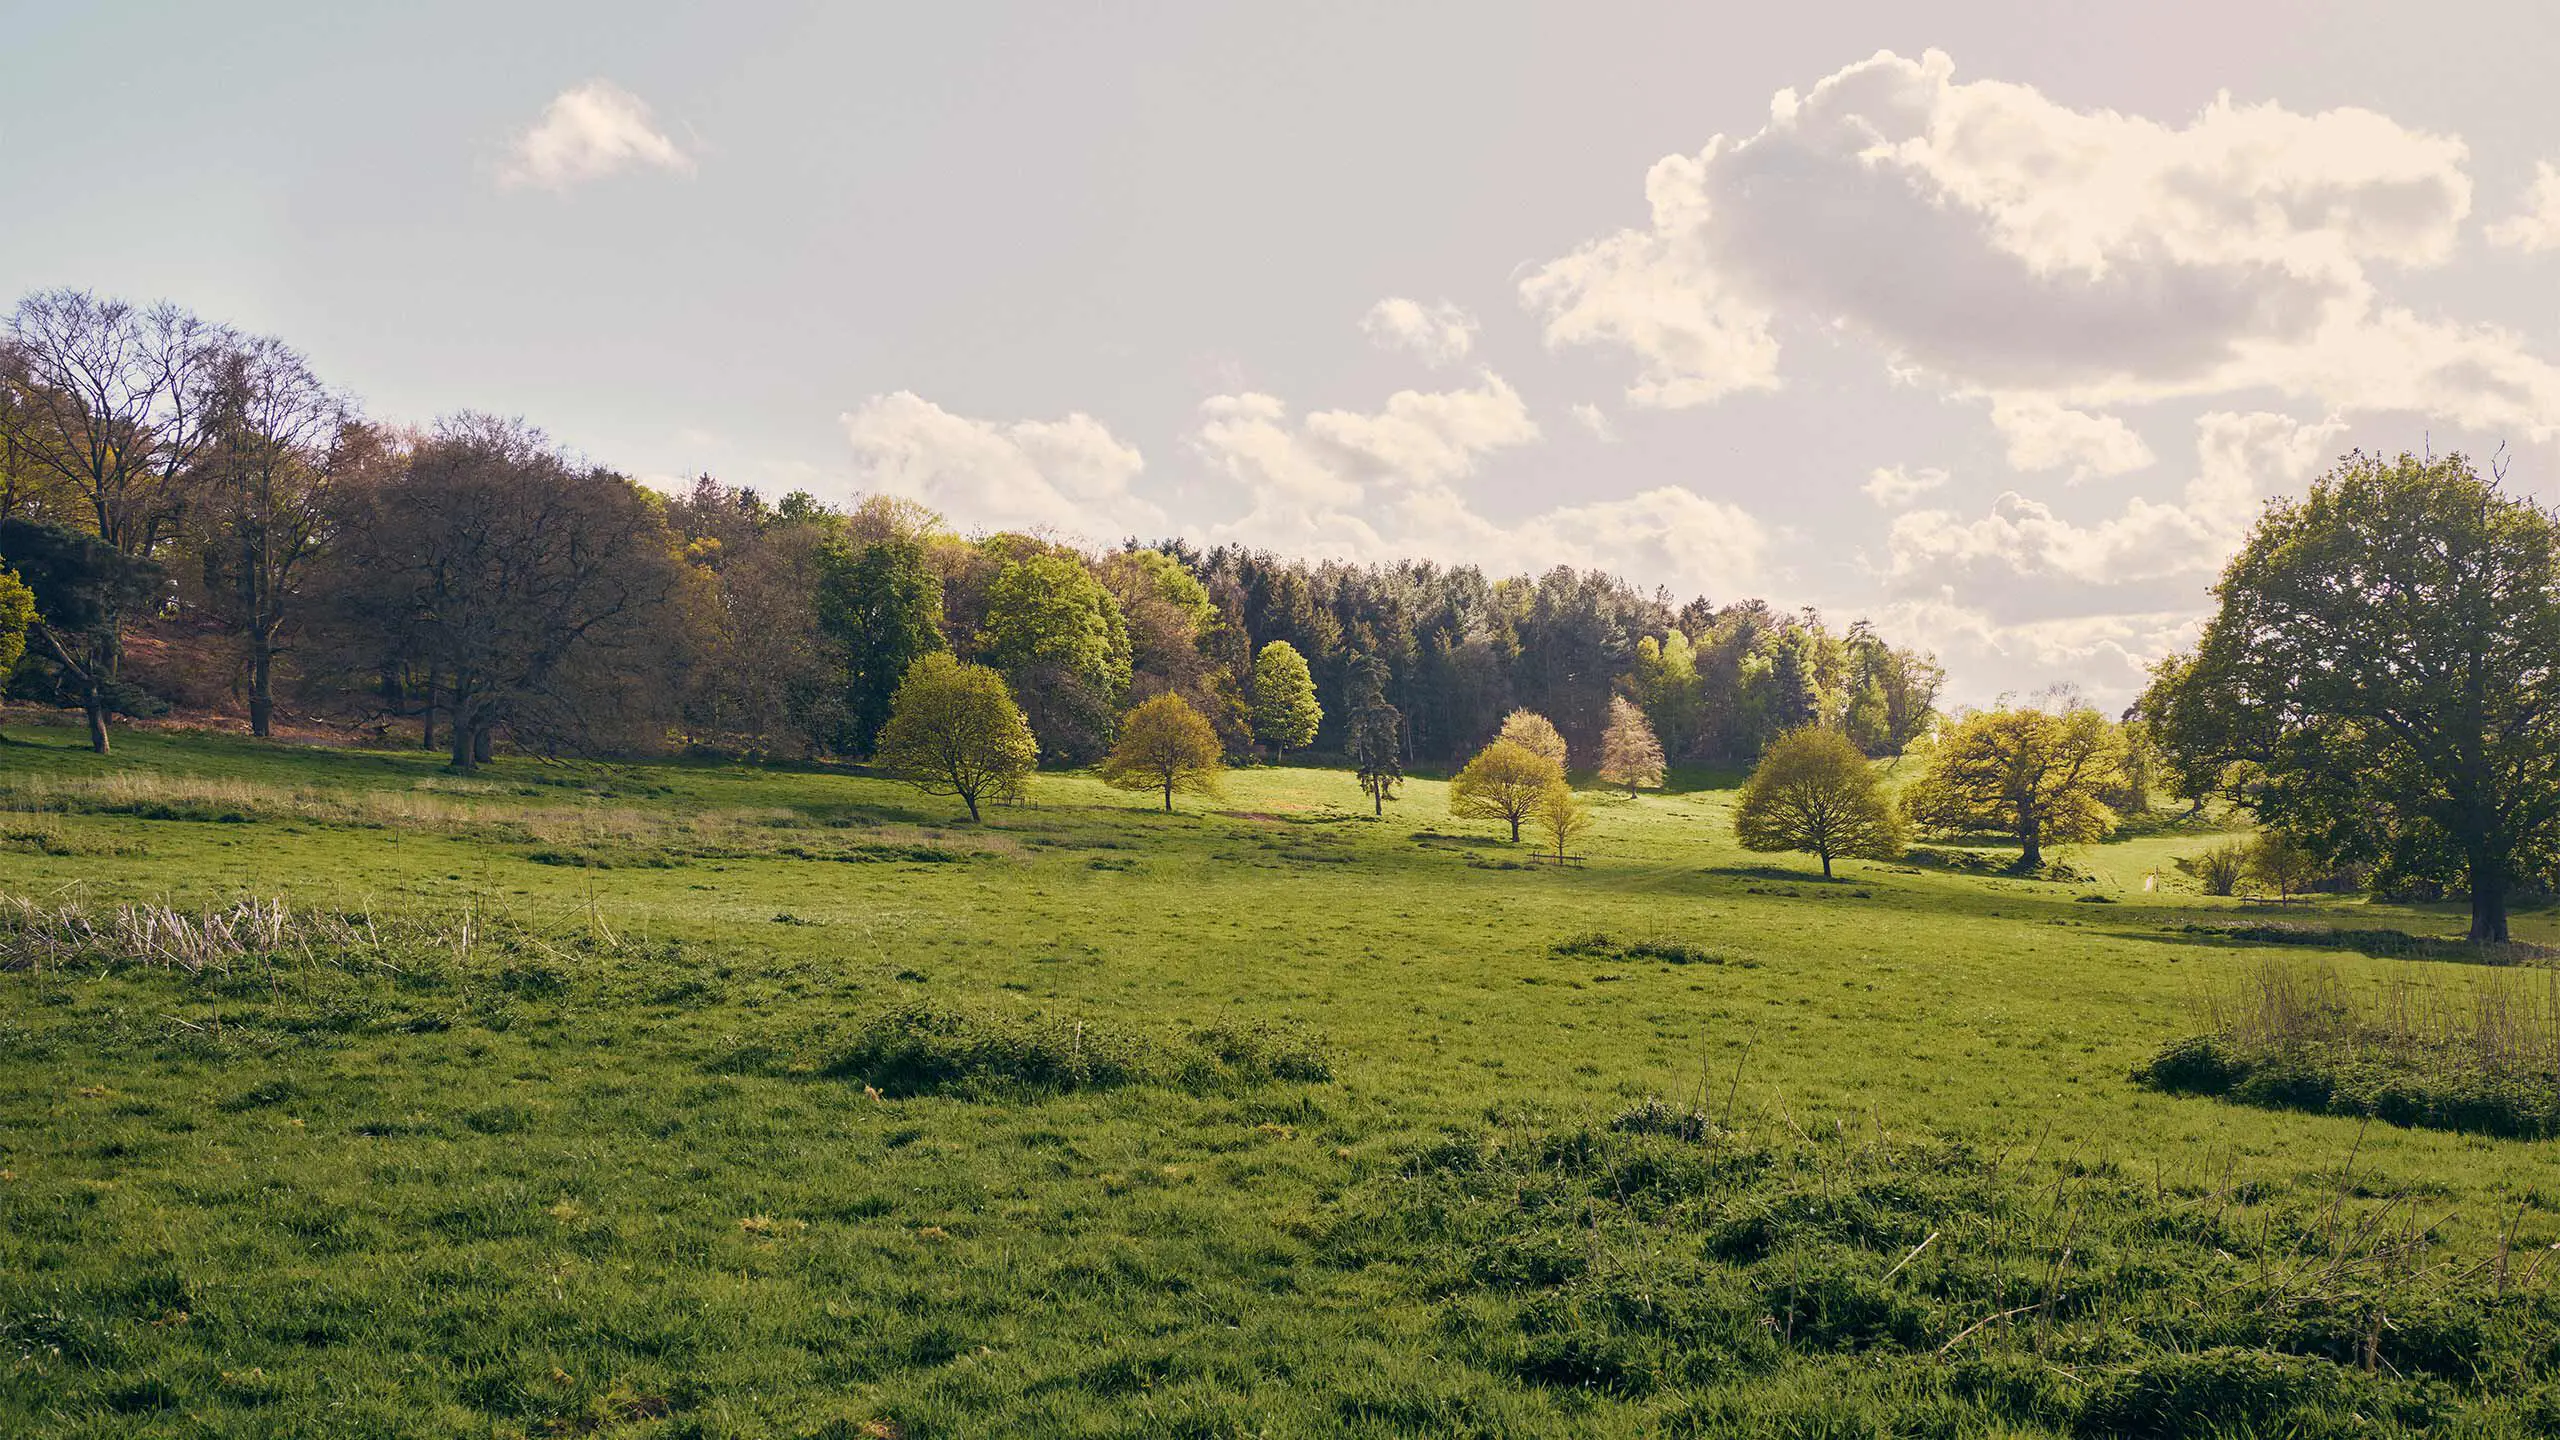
(1166, 746)
(1814, 792)
(1504, 782)
(2029, 774)
(954, 730)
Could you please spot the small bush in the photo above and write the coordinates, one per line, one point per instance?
(2220, 869)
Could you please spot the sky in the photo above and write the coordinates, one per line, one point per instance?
(1995, 323)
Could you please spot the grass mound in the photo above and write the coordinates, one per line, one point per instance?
(2296, 1037)
(1600, 945)
(1835, 1285)
(927, 1048)
(2443, 1088)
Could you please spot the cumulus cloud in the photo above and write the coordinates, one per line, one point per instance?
(1597, 421)
(2536, 226)
(2240, 460)
(1071, 475)
(2107, 656)
(1893, 486)
(1441, 334)
(2005, 244)
(586, 133)
(2045, 436)
(1387, 485)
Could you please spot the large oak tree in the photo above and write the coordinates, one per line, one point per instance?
(2385, 665)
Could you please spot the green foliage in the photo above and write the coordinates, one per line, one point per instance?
(1562, 817)
(2220, 869)
(1376, 746)
(2030, 774)
(1059, 637)
(2443, 763)
(1506, 781)
(1164, 745)
(1285, 712)
(1815, 793)
(881, 606)
(2284, 864)
(17, 612)
(953, 730)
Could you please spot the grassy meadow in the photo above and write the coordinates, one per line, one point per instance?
(700, 1099)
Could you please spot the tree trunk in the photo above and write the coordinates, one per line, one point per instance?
(96, 706)
(2488, 904)
(1826, 864)
(262, 702)
(970, 799)
(481, 745)
(1515, 830)
(466, 756)
(1377, 803)
(2031, 841)
(1168, 797)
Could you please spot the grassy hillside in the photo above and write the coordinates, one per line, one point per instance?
(697, 1099)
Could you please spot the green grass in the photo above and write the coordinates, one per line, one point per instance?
(705, 1100)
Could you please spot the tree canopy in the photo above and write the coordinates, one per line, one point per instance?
(1377, 743)
(1562, 816)
(2032, 775)
(1814, 792)
(2385, 660)
(1533, 731)
(881, 605)
(954, 730)
(1285, 713)
(1629, 753)
(1165, 745)
(1504, 782)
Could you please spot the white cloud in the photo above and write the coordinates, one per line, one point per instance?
(2045, 436)
(2008, 245)
(1597, 421)
(1441, 334)
(2240, 460)
(1069, 475)
(2108, 656)
(2537, 225)
(1379, 487)
(1893, 485)
(588, 132)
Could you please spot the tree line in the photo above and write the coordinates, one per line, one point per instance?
(190, 515)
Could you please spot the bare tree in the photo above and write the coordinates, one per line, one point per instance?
(116, 403)
(280, 442)
(109, 402)
(545, 598)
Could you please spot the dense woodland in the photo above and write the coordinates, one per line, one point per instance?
(206, 523)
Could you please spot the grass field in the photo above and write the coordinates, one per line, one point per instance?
(699, 1099)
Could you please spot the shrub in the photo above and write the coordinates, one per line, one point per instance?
(2220, 869)
(2288, 1036)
